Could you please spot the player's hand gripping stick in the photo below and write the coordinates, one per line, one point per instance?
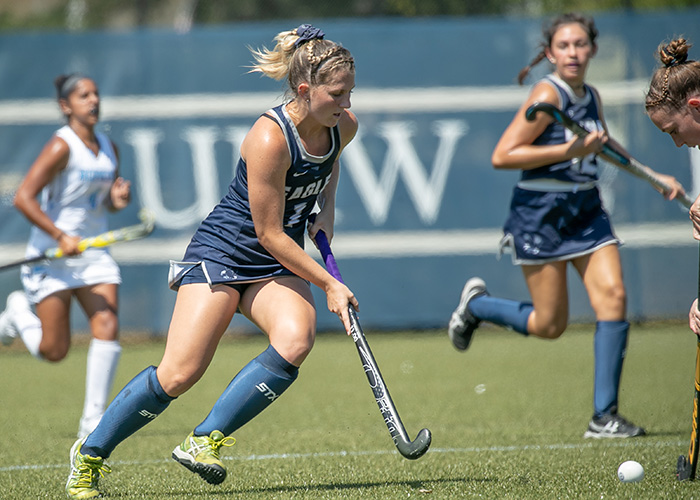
(609, 153)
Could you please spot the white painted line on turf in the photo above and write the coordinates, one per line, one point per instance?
(343, 453)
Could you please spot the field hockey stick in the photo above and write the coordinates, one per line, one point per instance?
(686, 466)
(609, 153)
(409, 449)
(127, 233)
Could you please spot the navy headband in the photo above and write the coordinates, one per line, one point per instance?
(306, 33)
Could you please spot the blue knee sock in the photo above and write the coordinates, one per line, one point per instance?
(139, 402)
(252, 390)
(504, 312)
(609, 345)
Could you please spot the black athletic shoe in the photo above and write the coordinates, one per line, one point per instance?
(462, 322)
(612, 426)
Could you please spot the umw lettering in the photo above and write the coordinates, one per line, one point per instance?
(267, 392)
(201, 142)
(401, 159)
(207, 182)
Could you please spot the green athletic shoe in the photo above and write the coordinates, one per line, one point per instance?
(200, 454)
(85, 471)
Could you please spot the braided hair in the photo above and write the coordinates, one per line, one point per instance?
(302, 55)
(676, 79)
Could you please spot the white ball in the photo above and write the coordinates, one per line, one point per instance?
(630, 472)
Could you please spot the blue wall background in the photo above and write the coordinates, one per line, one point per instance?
(419, 205)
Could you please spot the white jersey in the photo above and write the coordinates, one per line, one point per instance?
(74, 200)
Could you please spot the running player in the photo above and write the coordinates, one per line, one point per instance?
(673, 105)
(556, 218)
(76, 178)
(248, 255)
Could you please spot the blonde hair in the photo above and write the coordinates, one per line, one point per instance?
(677, 79)
(312, 61)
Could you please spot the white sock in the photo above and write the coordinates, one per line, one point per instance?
(29, 328)
(102, 359)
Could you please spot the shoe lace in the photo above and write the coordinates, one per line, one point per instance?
(209, 446)
(88, 473)
(216, 444)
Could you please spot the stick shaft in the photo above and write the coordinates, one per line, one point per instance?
(610, 153)
(694, 447)
(374, 376)
(107, 238)
(22, 262)
(694, 436)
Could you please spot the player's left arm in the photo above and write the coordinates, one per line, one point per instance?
(120, 191)
(325, 219)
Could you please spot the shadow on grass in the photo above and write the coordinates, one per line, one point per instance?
(425, 486)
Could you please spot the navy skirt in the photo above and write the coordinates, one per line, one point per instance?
(550, 226)
(219, 268)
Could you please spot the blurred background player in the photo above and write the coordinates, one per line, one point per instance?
(248, 255)
(673, 105)
(66, 195)
(556, 218)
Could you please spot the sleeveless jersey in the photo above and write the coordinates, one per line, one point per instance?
(74, 200)
(227, 236)
(583, 110)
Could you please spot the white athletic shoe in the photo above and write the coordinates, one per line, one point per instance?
(463, 323)
(16, 302)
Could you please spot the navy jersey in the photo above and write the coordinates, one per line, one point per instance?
(226, 241)
(583, 110)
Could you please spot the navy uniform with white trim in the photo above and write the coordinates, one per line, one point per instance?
(556, 212)
(557, 218)
(225, 249)
(248, 256)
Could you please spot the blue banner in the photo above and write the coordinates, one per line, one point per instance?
(419, 206)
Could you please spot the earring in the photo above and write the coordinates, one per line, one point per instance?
(552, 60)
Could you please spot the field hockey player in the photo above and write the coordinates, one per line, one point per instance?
(556, 219)
(66, 195)
(673, 105)
(248, 256)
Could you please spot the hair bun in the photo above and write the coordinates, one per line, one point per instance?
(675, 53)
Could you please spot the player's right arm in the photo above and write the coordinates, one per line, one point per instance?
(52, 159)
(515, 149)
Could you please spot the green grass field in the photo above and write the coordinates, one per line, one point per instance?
(506, 417)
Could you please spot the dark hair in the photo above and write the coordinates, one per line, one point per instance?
(676, 79)
(65, 84)
(548, 32)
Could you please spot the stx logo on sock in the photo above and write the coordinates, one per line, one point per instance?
(267, 392)
(148, 414)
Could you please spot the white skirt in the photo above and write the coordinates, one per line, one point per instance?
(94, 266)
